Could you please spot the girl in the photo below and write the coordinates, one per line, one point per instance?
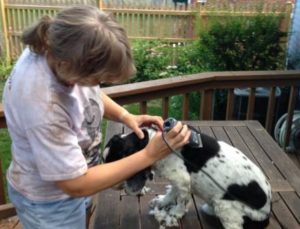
(54, 108)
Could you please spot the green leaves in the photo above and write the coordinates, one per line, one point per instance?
(155, 59)
(243, 43)
(5, 69)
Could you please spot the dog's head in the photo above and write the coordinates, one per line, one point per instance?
(120, 146)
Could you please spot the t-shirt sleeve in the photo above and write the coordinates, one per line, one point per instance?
(56, 151)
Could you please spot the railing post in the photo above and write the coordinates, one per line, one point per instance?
(207, 102)
(270, 111)
(100, 4)
(251, 103)
(2, 192)
(3, 29)
(290, 115)
(143, 107)
(2, 118)
(165, 107)
(185, 106)
(230, 104)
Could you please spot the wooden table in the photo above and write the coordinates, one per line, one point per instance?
(115, 210)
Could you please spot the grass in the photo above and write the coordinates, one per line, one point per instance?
(5, 144)
(153, 108)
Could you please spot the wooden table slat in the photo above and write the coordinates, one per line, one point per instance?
(107, 210)
(221, 134)
(206, 222)
(129, 217)
(282, 213)
(293, 201)
(238, 142)
(274, 224)
(147, 221)
(191, 219)
(282, 161)
(281, 186)
(207, 130)
(261, 157)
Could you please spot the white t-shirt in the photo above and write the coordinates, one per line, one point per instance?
(55, 129)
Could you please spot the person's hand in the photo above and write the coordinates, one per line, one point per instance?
(177, 137)
(135, 122)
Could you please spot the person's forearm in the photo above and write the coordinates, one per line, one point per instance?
(112, 110)
(107, 175)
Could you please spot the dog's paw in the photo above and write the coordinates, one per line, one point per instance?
(158, 202)
(171, 221)
(177, 211)
(162, 202)
(153, 202)
(145, 190)
(164, 218)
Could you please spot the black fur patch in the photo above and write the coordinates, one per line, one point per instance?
(115, 146)
(120, 147)
(252, 194)
(195, 158)
(251, 224)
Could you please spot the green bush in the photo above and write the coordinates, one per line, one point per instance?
(150, 59)
(156, 60)
(242, 43)
(5, 69)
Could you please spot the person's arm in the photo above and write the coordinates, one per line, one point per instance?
(104, 176)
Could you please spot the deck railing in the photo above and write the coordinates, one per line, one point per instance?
(206, 84)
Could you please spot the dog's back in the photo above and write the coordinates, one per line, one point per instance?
(224, 176)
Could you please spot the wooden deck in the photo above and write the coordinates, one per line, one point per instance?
(117, 210)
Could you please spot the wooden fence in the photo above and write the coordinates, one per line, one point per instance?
(141, 23)
(211, 5)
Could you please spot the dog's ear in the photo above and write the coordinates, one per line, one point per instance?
(133, 143)
(121, 146)
(114, 149)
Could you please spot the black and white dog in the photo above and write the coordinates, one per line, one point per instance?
(234, 188)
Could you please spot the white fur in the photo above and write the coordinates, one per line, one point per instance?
(168, 209)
